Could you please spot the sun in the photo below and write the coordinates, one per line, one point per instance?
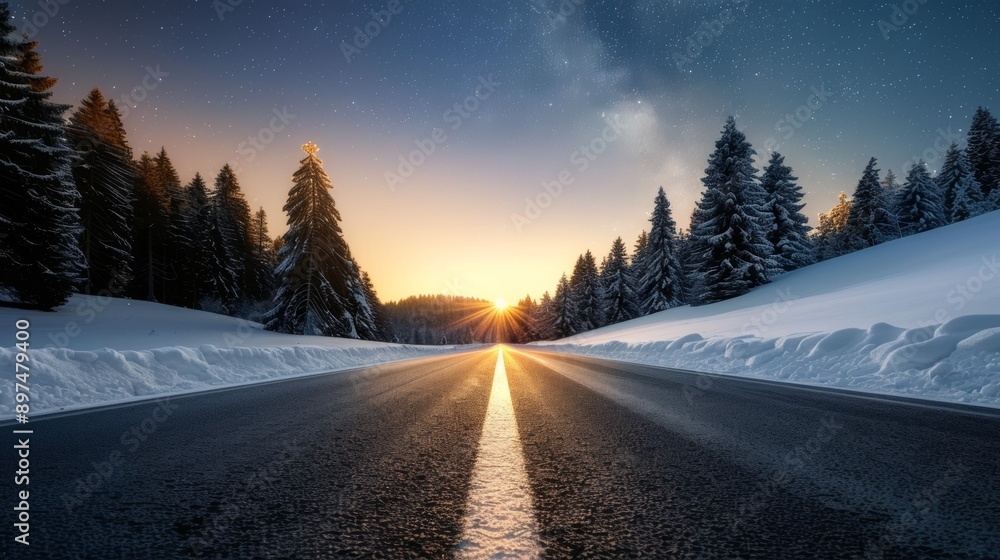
(501, 304)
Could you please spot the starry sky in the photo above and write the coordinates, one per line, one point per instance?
(613, 98)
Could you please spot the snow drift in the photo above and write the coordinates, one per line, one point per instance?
(918, 316)
(96, 351)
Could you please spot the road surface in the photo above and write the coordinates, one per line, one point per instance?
(532, 453)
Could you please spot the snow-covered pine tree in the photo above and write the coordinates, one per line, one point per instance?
(360, 307)
(117, 135)
(963, 205)
(232, 217)
(620, 302)
(177, 238)
(542, 318)
(523, 327)
(263, 258)
(13, 92)
(382, 330)
(315, 273)
(830, 236)
(961, 192)
(563, 310)
(695, 248)
(105, 177)
(151, 213)
(585, 290)
(729, 234)
(683, 245)
(891, 184)
(919, 204)
(871, 221)
(39, 221)
(983, 150)
(789, 236)
(662, 283)
(637, 264)
(198, 266)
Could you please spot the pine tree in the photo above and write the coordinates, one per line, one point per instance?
(542, 318)
(263, 259)
(830, 236)
(789, 235)
(620, 302)
(637, 265)
(234, 246)
(117, 133)
(961, 192)
(524, 328)
(696, 247)
(662, 283)
(13, 197)
(729, 234)
(919, 204)
(963, 205)
(198, 266)
(382, 329)
(315, 274)
(689, 265)
(151, 214)
(39, 222)
(360, 307)
(177, 236)
(983, 151)
(105, 177)
(890, 184)
(585, 290)
(563, 310)
(871, 221)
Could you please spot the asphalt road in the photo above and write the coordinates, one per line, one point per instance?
(618, 461)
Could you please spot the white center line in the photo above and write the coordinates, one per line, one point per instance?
(499, 516)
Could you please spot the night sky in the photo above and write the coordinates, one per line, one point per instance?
(889, 90)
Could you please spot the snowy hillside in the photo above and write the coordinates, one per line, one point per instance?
(96, 351)
(918, 316)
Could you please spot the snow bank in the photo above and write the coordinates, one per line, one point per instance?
(63, 378)
(89, 322)
(95, 351)
(918, 316)
(951, 362)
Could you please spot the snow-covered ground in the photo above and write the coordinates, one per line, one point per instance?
(96, 351)
(918, 316)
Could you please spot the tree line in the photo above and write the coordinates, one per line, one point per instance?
(78, 213)
(443, 319)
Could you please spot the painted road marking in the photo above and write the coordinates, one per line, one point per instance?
(499, 516)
